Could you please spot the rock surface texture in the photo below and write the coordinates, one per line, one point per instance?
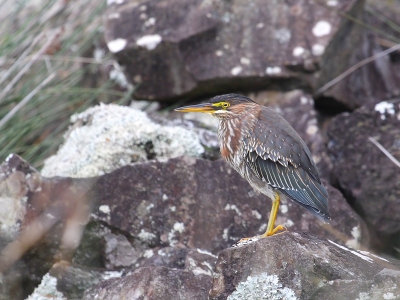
(362, 171)
(297, 266)
(195, 47)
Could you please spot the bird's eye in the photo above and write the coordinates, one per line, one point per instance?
(225, 105)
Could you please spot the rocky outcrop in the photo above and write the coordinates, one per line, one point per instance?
(174, 214)
(298, 266)
(368, 177)
(197, 48)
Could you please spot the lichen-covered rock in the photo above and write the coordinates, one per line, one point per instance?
(153, 283)
(187, 48)
(368, 178)
(47, 290)
(107, 137)
(299, 266)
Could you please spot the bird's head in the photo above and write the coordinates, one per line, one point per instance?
(223, 107)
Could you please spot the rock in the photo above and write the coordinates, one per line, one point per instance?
(34, 227)
(368, 178)
(192, 48)
(153, 283)
(205, 205)
(297, 107)
(114, 136)
(196, 261)
(72, 280)
(47, 289)
(17, 179)
(365, 85)
(301, 266)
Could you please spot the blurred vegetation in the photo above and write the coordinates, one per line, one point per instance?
(53, 63)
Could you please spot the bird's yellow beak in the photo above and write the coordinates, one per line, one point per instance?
(204, 108)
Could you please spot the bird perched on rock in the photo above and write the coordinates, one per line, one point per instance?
(262, 146)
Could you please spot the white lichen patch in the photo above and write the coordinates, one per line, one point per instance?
(236, 70)
(283, 35)
(104, 209)
(256, 214)
(112, 274)
(233, 207)
(116, 136)
(366, 258)
(389, 296)
(47, 289)
(260, 25)
(322, 28)
(284, 208)
(385, 107)
(262, 287)
(317, 49)
(150, 22)
(288, 223)
(298, 51)
(117, 45)
(109, 2)
(146, 236)
(355, 241)
(150, 42)
(273, 70)
(179, 227)
(312, 129)
(225, 234)
(148, 253)
(219, 53)
(332, 2)
(244, 61)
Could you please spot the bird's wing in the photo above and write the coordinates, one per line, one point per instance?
(278, 156)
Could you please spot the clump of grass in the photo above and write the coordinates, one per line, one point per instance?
(53, 63)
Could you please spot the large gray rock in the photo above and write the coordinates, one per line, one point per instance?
(368, 178)
(106, 137)
(187, 48)
(297, 266)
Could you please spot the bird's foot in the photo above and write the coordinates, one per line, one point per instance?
(248, 240)
(275, 231)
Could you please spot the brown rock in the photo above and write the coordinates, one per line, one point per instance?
(188, 202)
(153, 283)
(35, 211)
(369, 179)
(194, 47)
(299, 266)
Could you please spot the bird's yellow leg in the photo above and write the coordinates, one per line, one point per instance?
(271, 222)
